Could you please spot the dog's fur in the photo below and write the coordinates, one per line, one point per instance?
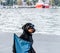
(27, 36)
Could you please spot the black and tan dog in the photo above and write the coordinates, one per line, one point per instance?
(28, 29)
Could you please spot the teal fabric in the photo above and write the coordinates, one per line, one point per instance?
(21, 45)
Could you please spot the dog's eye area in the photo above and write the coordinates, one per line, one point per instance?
(28, 27)
(31, 26)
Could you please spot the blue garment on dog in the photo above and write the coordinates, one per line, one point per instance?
(21, 45)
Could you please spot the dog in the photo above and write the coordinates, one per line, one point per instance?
(28, 29)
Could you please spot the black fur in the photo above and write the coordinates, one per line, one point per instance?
(26, 36)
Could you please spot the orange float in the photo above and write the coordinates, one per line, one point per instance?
(39, 5)
(42, 5)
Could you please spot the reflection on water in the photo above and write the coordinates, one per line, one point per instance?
(45, 20)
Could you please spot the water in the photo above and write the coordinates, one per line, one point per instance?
(47, 24)
(45, 20)
(43, 43)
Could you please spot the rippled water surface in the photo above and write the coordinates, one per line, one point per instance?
(45, 20)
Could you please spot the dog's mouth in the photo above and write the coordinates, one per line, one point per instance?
(31, 30)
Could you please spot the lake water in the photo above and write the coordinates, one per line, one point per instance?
(47, 24)
(45, 20)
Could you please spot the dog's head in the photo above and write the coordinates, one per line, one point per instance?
(28, 27)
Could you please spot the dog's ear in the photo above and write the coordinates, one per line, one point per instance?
(23, 27)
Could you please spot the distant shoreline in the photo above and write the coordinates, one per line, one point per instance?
(7, 7)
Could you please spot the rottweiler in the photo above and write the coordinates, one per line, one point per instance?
(28, 29)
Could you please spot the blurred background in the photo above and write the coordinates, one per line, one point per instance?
(28, 2)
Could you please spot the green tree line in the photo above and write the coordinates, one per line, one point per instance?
(55, 2)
